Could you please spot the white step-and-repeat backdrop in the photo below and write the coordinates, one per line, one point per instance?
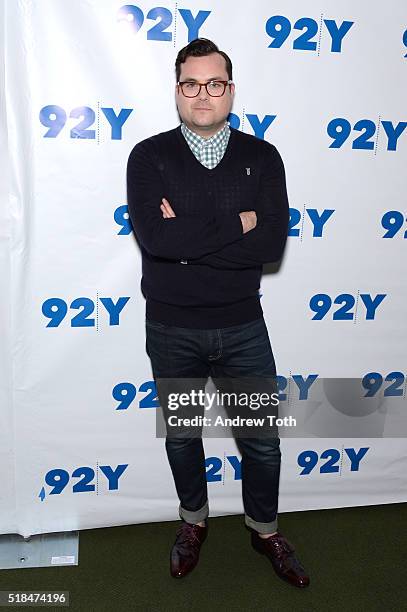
(83, 82)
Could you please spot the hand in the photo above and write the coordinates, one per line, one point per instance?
(249, 220)
(166, 209)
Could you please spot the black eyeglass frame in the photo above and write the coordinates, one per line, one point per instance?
(224, 83)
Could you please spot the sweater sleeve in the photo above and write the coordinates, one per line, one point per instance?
(178, 238)
(266, 242)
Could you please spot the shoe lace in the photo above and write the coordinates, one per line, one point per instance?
(280, 546)
(186, 534)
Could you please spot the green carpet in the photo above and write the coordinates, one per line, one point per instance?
(356, 558)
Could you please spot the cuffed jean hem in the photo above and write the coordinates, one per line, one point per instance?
(194, 516)
(261, 527)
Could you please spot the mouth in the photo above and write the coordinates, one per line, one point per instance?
(204, 109)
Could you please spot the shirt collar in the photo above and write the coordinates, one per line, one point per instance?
(217, 140)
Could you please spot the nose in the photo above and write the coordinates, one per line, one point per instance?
(203, 95)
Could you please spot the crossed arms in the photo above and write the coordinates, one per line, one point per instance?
(236, 241)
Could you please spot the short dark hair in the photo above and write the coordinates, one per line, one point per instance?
(199, 48)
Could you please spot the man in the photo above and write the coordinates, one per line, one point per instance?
(209, 206)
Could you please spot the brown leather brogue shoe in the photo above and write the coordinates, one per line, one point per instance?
(281, 554)
(185, 552)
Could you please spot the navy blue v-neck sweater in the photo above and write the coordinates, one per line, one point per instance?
(199, 269)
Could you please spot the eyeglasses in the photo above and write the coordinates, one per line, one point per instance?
(192, 89)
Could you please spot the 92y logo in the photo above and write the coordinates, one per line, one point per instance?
(258, 125)
(58, 479)
(56, 309)
(372, 382)
(55, 118)
(279, 28)
(393, 221)
(215, 468)
(339, 130)
(308, 460)
(126, 392)
(134, 17)
(321, 304)
(317, 220)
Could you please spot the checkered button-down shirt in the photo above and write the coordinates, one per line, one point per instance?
(208, 151)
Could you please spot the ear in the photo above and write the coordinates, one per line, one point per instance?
(232, 90)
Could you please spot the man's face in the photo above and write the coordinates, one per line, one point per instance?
(204, 114)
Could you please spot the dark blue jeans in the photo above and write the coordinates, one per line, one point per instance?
(238, 351)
